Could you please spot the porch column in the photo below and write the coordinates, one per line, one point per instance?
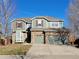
(32, 38)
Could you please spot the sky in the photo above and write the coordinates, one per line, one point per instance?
(31, 8)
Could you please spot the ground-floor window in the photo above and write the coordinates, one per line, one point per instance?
(19, 36)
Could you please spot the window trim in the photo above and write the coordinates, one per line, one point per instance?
(39, 25)
(19, 25)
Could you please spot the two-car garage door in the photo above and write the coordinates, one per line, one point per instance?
(51, 39)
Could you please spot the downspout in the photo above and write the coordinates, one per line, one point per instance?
(44, 37)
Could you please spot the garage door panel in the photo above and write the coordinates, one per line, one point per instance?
(54, 40)
(39, 39)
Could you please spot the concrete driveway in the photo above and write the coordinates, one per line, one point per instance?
(41, 51)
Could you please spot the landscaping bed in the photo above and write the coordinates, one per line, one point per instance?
(15, 49)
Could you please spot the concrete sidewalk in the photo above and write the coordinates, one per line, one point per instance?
(10, 57)
(39, 51)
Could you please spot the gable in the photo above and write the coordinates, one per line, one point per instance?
(38, 18)
(48, 18)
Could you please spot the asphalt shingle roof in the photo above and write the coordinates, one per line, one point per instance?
(48, 18)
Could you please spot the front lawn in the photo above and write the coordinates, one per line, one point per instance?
(15, 49)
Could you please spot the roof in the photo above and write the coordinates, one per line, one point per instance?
(24, 19)
(48, 18)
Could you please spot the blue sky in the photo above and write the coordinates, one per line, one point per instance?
(31, 8)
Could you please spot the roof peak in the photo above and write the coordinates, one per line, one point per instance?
(49, 18)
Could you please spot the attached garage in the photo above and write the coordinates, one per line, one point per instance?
(39, 39)
(48, 36)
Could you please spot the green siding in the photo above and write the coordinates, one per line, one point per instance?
(49, 25)
(39, 39)
(45, 24)
(33, 24)
(61, 24)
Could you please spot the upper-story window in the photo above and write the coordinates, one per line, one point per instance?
(39, 23)
(18, 24)
(54, 23)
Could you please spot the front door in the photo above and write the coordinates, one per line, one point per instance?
(39, 39)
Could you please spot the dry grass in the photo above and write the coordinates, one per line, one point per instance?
(16, 49)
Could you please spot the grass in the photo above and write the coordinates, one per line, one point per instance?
(16, 49)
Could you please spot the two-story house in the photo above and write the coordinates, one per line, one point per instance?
(20, 28)
(44, 29)
(39, 29)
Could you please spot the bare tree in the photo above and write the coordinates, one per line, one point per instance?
(73, 15)
(63, 35)
(0, 17)
(7, 8)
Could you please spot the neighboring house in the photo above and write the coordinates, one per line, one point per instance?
(19, 29)
(44, 30)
